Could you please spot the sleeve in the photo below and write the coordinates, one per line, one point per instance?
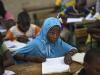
(25, 49)
(10, 35)
(67, 47)
(32, 48)
(37, 30)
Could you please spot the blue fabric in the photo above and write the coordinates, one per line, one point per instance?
(40, 46)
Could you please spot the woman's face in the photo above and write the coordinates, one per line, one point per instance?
(53, 34)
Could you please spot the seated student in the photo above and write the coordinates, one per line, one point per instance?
(65, 27)
(6, 18)
(6, 15)
(48, 43)
(23, 29)
(91, 65)
(78, 10)
(5, 53)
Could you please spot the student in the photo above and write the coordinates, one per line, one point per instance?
(6, 18)
(23, 29)
(91, 65)
(5, 54)
(48, 43)
(6, 15)
(65, 29)
(78, 10)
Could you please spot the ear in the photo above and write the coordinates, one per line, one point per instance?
(85, 65)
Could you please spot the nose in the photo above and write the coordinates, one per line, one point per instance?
(55, 36)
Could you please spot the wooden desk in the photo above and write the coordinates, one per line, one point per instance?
(36, 69)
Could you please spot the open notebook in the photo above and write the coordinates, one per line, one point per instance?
(54, 65)
(78, 57)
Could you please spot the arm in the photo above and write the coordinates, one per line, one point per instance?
(8, 59)
(29, 58)
(67, 58)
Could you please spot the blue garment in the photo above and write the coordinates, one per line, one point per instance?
(69, 10)
(41, 46)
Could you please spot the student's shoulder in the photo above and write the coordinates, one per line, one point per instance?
(34, 25)
(13, 28)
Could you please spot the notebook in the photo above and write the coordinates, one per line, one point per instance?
(54, 65)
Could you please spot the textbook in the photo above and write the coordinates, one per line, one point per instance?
(54, 65)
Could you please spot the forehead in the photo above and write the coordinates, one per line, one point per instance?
(55, 28)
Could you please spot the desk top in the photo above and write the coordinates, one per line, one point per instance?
(36, 69)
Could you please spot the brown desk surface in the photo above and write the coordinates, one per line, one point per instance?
(36, 69)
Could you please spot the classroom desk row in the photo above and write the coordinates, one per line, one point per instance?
(36, 69)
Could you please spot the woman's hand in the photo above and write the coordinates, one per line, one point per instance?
(68, 56)
(67, 59)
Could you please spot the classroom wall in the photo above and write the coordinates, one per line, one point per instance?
(15, 6)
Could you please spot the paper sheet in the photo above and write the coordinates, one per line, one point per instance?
(13, 45)
(8, 72)
(72, 20)
(92, 17)
(89, 17)
(96, 15)
(78, 57)
(54, 65)
(9, 44)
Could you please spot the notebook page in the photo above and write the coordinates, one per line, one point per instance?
(54, 65)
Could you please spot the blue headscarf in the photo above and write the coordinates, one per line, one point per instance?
(41, 46)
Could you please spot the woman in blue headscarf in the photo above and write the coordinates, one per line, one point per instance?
(47, 44)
